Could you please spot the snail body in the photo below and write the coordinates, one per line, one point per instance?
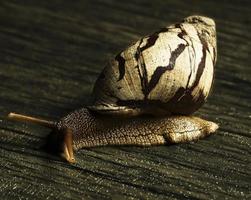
(99, 130)
(145, 95)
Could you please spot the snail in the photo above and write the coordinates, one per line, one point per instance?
(146, 94)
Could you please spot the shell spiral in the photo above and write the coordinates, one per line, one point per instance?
(168, 72)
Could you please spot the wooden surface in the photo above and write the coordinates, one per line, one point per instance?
(52, 52)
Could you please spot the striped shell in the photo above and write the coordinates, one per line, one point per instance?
(168, 72)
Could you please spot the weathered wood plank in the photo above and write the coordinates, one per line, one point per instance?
(51, 54)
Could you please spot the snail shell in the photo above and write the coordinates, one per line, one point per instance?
(168, 72)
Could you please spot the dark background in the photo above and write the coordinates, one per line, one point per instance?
(51, 52)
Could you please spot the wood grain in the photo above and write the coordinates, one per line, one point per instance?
(51, 54)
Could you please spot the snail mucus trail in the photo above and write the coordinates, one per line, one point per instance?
(146, 94)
